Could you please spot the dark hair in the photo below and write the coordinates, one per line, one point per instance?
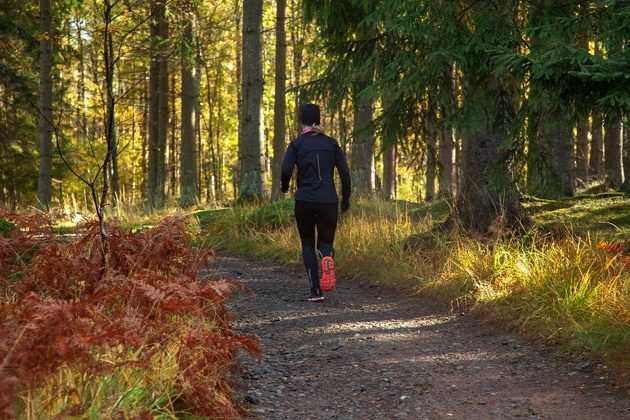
(309, 114)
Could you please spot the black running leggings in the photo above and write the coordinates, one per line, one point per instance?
(311, 217)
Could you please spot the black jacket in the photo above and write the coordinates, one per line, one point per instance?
(316, 156)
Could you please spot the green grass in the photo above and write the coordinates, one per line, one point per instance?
(562, 291)
(606, 215)
(6, 227)
(127, 390)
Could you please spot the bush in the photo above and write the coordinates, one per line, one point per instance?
(139, 335)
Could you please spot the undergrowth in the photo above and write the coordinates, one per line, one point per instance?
(143, 337)
(560, 286)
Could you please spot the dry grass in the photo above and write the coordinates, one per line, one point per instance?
(560, 291)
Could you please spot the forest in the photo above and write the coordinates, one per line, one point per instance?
(181, 103)
(487, 141)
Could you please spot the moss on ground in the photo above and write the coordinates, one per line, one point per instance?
(604, 215)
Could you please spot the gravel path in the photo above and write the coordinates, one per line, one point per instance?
(370, 352)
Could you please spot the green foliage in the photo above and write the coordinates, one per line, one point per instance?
(609, 75)
(6, 227)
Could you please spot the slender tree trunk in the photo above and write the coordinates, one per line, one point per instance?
(238, 33)
(114, 135)
(431, 167)
(252, 162)
(81, 129)
(445, 189)
(3, 197)
(596, 161)
(389, 141)
(581, 162)
(362, 168)
(115, 181)
(110, 136)
(163, 108)
(199, 138)
(626, 157)
(220, 188)
(44, 182)
(612, 153)
(297, 54)
(4, 168)
(154, 109)
(581, 172)
(189, 190)
(144, 136)
(446, 163)
(171, 152)
(280, 101)
(389, 172)
(211, 162)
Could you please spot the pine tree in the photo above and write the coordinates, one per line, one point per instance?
(189, 184)
(252, 169)
(280, 102)
(551, 159)
(44, 183)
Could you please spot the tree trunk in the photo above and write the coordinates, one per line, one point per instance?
(596, 161)
(389, 141)
(389, 172)
(144, 136)
(189, 189)
(163, 110)
(487, 195)
(612, 153)
(550, 157)
(362, 168)
(238, 33)
(252, 163)
(431, 166)
(81, 129)
(219, 185)
(581, 164)
(445, 188)
(446, 162)
(171, 151)
(297, 36)
(115, 178)
(280, 102)
(551, 172)
(44, 182)
(488, 199)
(626, 158)
(154, 109)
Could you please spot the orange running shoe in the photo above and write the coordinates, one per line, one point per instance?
(327, 282)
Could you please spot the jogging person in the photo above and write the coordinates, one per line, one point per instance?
(316, 155)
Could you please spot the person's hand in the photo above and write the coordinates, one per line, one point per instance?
(345, 205)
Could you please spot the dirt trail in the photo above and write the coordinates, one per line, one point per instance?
(373, 353)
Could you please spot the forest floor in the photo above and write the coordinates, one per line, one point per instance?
(371, 351)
